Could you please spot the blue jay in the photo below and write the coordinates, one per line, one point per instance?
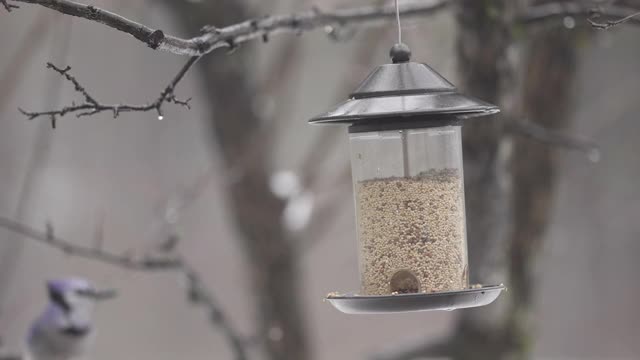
(65, 329)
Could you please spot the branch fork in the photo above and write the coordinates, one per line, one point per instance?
(91, 106)
(596, 15)
(8, 6)
(163, 260)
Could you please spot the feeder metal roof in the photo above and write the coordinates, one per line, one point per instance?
(404, 90)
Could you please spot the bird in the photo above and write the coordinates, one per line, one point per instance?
(65, 329)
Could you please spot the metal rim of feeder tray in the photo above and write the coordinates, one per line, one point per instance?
(397, 96)
(400, 303)
(404, 95)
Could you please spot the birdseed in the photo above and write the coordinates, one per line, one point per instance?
(412, 234)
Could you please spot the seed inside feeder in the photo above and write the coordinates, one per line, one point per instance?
(412, 233)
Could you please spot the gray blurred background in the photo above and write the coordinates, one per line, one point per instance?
(124, 172)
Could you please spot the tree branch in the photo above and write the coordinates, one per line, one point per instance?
(91, 106)
(123, 261)
(610, 23)
(212, 38)
(260, 28)
(199, 295)
(555, 138)
(197, 292)
(559, 10)
(8, 6)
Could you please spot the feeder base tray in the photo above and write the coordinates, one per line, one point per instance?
(449, 300)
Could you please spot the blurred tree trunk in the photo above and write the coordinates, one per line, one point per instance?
(236, 130)
(510, 182)
(485, 71)
(547, 98)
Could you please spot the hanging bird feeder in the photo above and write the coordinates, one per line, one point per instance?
(406, 156)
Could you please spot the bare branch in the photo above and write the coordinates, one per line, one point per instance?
(211, 39)
(284, 65)
(7, 6)
(231, 36)
(197, 292)
(91, 106)
(555, 138)
(560, 10)
(147, 263)
(75, 82)
(327, 211)
(609, 23)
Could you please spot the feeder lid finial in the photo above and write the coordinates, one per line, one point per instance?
(400, 53)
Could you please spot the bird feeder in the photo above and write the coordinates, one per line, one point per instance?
(406, 156)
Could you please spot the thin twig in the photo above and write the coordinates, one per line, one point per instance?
(91, 106)
(327, 210)
(555, 138)
(231, 36)
(325, 142)
(173, 207)
(211, 39)
(284, 64)
(610, 23)
(7, 6)
(146, 263)
(197, 292)
(559, 10)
